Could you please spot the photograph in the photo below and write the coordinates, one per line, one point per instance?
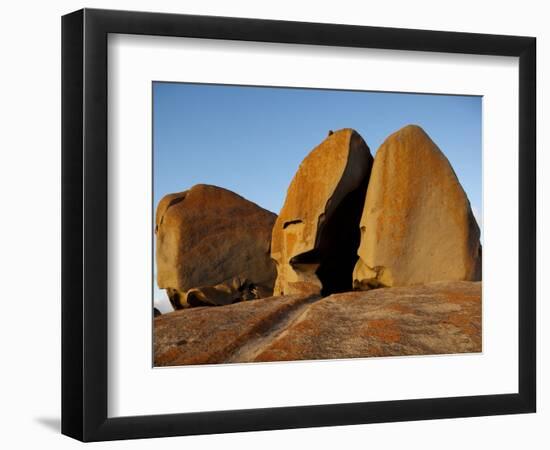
(268, 225)
(297, 224)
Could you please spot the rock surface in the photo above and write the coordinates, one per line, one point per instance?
(316, 234)
(418, 320)
(417, 225)
(213, 335)
(208, 236)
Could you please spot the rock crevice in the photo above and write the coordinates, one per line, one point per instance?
(314, 239)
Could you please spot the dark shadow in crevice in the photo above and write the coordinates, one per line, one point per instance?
(175, 298)
(292, 222)
(336, 251)
(339, 241)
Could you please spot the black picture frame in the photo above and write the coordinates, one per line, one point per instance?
(84, 224)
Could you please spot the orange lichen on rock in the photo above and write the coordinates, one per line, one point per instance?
(211, 335)
(417, 320)
(383, 329)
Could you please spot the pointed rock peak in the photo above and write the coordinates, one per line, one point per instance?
(410, 130)
(411, 137)
(343, 133)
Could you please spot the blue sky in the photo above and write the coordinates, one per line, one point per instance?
(251, 140)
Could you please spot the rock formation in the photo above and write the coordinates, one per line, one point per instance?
(207, 236)
(316, 235)
(416, 320)
(417, 225)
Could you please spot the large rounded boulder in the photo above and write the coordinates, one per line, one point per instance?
(210, 236)
(417, 225)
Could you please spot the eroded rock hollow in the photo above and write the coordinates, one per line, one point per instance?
(316, 236)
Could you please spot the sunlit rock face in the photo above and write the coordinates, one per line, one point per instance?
(213, 239)
(429, 319)
(417, 225)
(316, 236)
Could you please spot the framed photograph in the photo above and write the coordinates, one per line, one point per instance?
(272, 224)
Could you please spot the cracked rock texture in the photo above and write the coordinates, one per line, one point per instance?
(212, 335)
(417, 225)
(323, 205)
(437, 318)
(207, 237)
